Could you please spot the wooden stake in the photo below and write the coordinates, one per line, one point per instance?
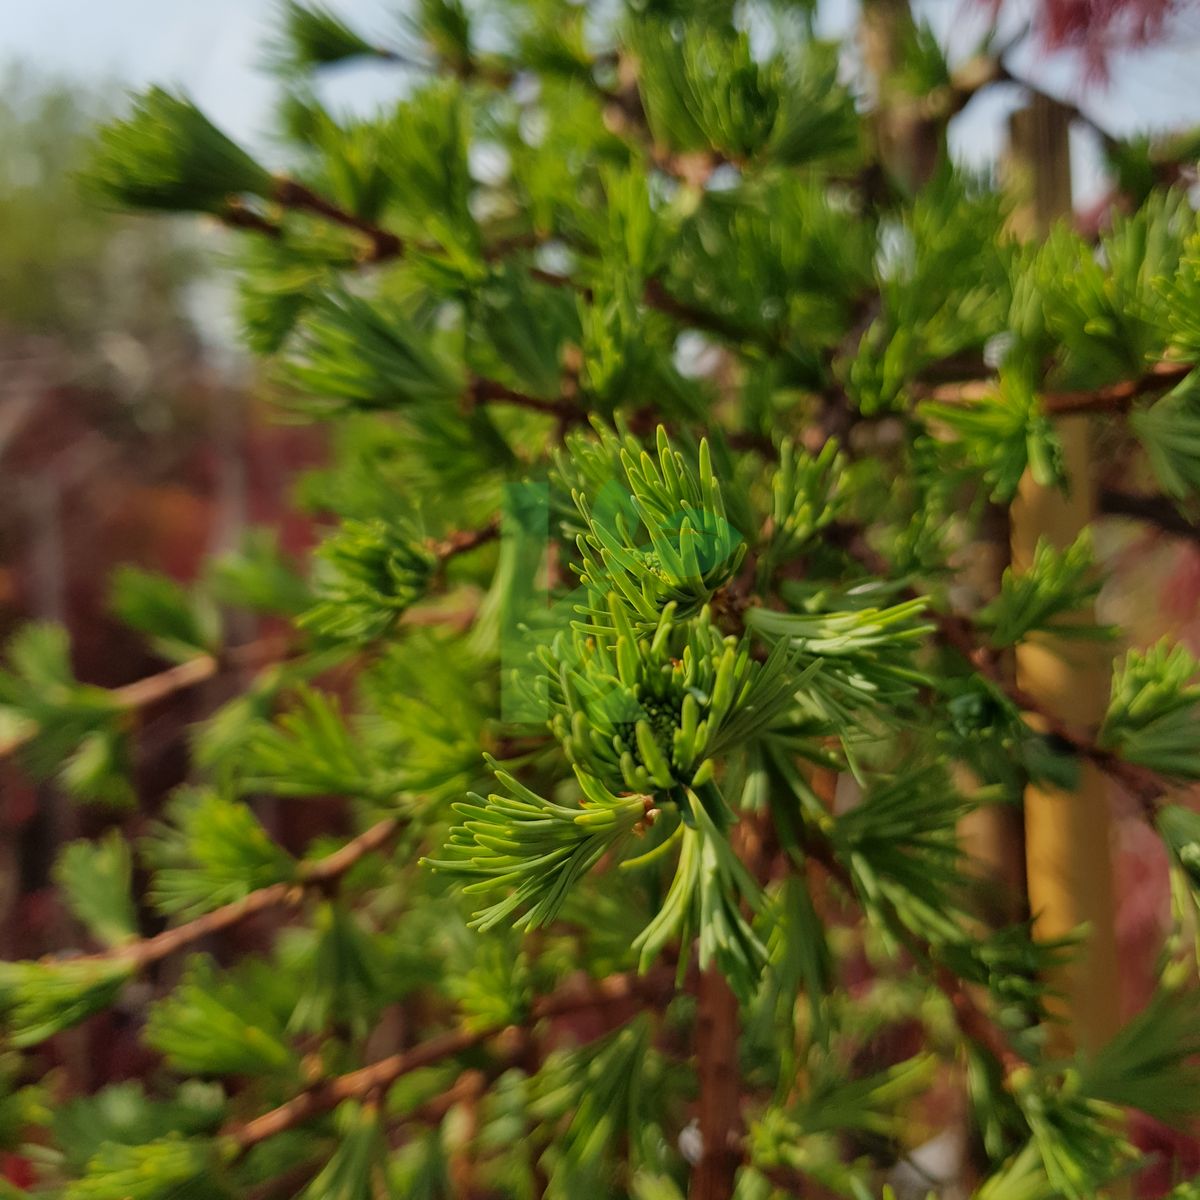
(1068, 850)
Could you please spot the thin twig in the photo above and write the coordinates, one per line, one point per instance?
(492, 391)
(973, 1022)
(1115, 397)
(314, 874)
(384, 244)
(656, 987)
(153, 689)
(464, 540)
(237, 215)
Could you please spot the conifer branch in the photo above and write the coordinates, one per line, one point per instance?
(327, 1095)
(385, 245)
(491, 391)
(311, 875)
(655, 988)
(1113, 398)
(959, 633)
(153, 689)
(972, 1021)
(238, 215)
(465, 540)
(294, 195)
(1143, 784)
(290, 194)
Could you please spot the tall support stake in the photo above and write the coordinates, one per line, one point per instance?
(1067, 834)
(911, 142)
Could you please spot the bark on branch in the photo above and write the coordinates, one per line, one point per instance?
(315, 874)
(1116, 397)
(655, 988)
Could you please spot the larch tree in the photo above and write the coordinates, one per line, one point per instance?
(639, 651)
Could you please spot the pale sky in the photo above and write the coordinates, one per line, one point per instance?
(214, 49)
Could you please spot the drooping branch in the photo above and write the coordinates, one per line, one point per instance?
(492, 391)
(384, 245)
(294, 195)
(1143, 784)
(973, 1021)
(463, 541)
(327, 1095)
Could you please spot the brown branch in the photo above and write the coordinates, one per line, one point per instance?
(153, 689)
(237, 215)
(1116, 397)
(717, 1073)
(315, 874)
(972, 1021)
(383, 243)
(491, 391)
(656, 987)
(464, 540)
(1158, 511)
(975, 1024)
(325, 1096)
(1143, 784)
(466, 1087)
(656, 296)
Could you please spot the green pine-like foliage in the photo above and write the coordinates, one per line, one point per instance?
(650, 487)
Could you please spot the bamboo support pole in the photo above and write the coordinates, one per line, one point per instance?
(1067, 834)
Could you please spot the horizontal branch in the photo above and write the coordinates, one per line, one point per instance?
(1143, 784)
(656, 987)
(313, 874)
(1159, 511)
(385, 245)
(1115, 397)
(465, 540)
(238, 215)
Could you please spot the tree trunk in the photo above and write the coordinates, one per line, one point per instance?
(717, 1068)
